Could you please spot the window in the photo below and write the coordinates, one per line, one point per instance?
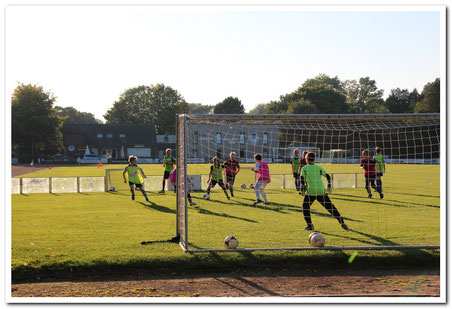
(265, 138)
(219, 138)
(242, 137)
(109, 135)
(100, 135)
(242, 153)
(265, 153)
(122, 135)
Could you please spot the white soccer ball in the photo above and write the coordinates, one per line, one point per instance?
(112, 188)
(252, 186)
(316, 239)
(243, 186)
(206, 196)
(231, 242)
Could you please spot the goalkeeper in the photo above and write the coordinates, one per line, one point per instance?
(313, 186)
(216, 176)
(380, 169)
(135, 175)
(295, 162)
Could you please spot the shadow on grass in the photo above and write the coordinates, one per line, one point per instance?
(211, 213)
(153, 206)
(386, 201)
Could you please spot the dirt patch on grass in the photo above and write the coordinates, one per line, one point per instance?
(247, 284)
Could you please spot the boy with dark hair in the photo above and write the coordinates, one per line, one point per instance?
(216, 176)
(263, 178)
(135, 175)
(302, 163)
(380, 169)
(231, 168)
(295, 162)
(315, 190)
(368, 164)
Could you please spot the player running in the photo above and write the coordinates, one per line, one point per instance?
(216, 176)
(168, 163)
(368, 164)
(231, 169)
(380, 169)
(135, 175)
(173, 181)
(263, 178)
(313, 186)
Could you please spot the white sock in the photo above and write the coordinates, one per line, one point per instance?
(257, 194)
(264, 196)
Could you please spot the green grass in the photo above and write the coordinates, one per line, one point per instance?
(98, 232)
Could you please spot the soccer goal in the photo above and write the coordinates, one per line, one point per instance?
(406, 216)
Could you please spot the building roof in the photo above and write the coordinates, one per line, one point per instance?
(134, 133)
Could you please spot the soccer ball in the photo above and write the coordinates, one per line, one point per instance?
(243, 186)
(206, 196)
(316, 239)
(231, 242)
(252, 186)
(112, 188)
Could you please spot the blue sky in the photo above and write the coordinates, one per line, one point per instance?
(88, 55)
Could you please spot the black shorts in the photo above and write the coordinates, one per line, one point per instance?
(214, 182)
(230, 178)
(166, 175)
(138, 185)
(379, 174)
(296, 175)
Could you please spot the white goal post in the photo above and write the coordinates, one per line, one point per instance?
(406, 216)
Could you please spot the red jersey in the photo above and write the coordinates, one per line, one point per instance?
(369, 167)
(303, 163)
(231, 166)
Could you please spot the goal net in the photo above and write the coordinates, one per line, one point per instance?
(406, 215)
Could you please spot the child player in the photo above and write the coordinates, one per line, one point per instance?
(380, 169)
(368, 164)
(231, 168)
(168, 163)
(302, 163)
(216, 176)
(135, 175)
(315, 190)
(295, 163)
(263, 178)
(173, 181)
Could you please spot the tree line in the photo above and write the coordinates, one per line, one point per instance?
(36, 122)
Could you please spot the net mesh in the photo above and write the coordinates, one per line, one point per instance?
(407, 215)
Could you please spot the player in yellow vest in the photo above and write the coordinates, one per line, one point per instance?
(216, 176)
(135, 175)
(168, 163)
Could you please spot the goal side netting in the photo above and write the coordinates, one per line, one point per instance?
(401, 211)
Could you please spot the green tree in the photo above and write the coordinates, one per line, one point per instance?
(156, 105)
(430, 99)
(326, 99)
(277, 107)
(302, 106)
(70, 115)
(401, 100)
(229, 105)
(35, 124)
(376, 106)
(325, 80)
(197, 108)
(359, 92)
(259, 109)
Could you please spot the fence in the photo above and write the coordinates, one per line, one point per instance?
(153, 183)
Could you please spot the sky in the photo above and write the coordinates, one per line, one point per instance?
(87, 56)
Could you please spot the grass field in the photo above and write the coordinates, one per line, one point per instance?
(102, 231)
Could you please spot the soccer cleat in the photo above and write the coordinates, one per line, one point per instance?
(193, 203)
(381, 195)
(147, 200)
(310, 227)
(370, 196)
(345, 227)
(257, 202)
(133, 197)
(162, 191)
(228, 198)
(232, 194)
(267, 203)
